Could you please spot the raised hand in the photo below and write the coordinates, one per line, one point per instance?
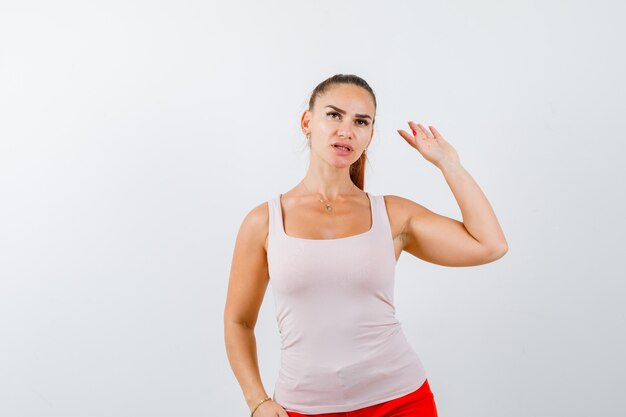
(433, 147)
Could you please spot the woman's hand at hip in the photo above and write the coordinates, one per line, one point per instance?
(270, 408)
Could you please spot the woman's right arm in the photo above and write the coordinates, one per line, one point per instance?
(246, 288)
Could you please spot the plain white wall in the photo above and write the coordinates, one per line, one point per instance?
(135, 136)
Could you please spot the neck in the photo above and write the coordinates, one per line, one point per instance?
(327, 181)
(329, 190)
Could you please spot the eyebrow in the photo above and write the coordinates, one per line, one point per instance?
(365, 116)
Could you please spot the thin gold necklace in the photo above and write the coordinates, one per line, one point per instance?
(327, 206)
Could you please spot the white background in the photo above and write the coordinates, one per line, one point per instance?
(135, 136)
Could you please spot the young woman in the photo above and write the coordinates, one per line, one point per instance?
(330, 249)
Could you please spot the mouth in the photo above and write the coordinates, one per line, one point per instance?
(342, 146)
(341, 150)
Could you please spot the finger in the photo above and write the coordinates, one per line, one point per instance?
(421, 132)
(418, 142)
(414, 127)
(436, 133)
(426, 132)
(411, 140)
(417, 132)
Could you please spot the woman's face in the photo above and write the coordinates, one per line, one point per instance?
(343, 114)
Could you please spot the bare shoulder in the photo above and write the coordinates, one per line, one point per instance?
(255, 225)
(399, 211)
(401, 205)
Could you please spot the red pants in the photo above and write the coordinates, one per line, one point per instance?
(419, 403)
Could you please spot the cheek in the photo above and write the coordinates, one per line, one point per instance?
(326, 127)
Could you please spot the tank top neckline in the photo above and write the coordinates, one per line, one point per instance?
(281, 226)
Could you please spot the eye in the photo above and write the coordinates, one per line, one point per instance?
(362, 122)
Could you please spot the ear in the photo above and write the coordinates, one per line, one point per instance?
(305, 121)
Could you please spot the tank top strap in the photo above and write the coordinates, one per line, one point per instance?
(271, 204)
(380, 212)
(274, 216)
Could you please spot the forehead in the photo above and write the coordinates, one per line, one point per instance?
(349, 97)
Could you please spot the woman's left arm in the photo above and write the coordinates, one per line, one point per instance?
(440, 239)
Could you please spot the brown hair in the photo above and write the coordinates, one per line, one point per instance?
(357, 169)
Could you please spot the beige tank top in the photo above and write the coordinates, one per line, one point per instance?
(342, 347)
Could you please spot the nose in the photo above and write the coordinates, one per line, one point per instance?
(345, 130)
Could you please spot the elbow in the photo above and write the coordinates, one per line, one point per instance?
(500, 251)
(493, 253)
